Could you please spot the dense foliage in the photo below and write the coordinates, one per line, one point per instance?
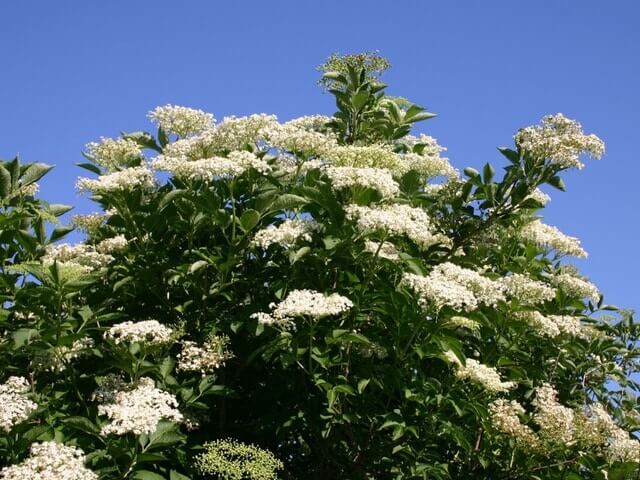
(326, 298)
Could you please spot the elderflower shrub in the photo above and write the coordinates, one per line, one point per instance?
(330, 288)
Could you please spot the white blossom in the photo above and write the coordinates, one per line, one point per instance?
(50, 461)
(114, 153)
(304, 303)
(89, 223)
(454, 286)
(149, 332)
(539, 196)
(560, 140)
(479, 373)
(505, 417)
(526, 290)
(378, 179)
(62, 355)
(385, 250)
(15, 407)
(287, 233)
(139, 410)
(300, 137)
(206, 169)
(556, 421)
(112, 245)
(370, 156)
(204, 358)
(125, 180)
(575, 286)
(81, 256)
(182, 121)
(547, 236)
(396, 219)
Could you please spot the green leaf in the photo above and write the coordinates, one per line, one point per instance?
(471, 172)
(288, 201)
(511, 155)
(197, 266)
(170, 197)
(5, 182)
(58, 209)
(59, 232)
(249, 219)
(147, 475)
(173, 475)
(487, 173)
(35, 172)
(91, 167)
(83, 424)
(362, 384)
(557, 182)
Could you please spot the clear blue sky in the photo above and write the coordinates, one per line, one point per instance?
(72, 71)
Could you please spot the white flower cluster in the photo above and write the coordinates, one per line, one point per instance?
(479, 373)
(63, 354)
(80, 256)
(454, 286)
(114, 153)
(547, 236)
(206, 169)
(552, 325)
(150, 332)
(28, 190)
(576, 287)
(287, 233)
(300, 136)
(505, 417)
(427, 166)
(539, 196)
(556, 421)
(385, 250)
(50, 461)
(15, 407)
(427, 163)
(396, 219)
(112, 245)
(233, 134)
(560, 140)
(206, 358)
(125, 180)
(89, 223)
(182, 121)
(316, 123)
(379, 179)
(595, 427)
(370, 156)
(304, 303)
(526, 290)
(139, 410)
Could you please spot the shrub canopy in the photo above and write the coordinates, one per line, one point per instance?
(324, 298)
